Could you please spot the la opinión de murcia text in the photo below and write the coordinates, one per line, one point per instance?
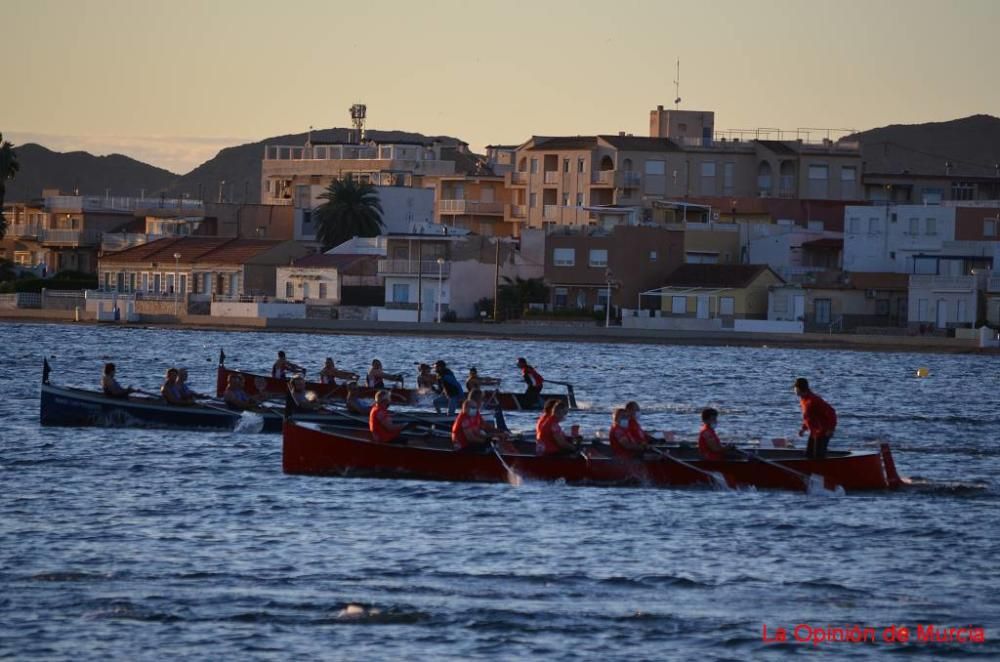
(857, 634)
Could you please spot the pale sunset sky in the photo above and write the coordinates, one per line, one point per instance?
(171, 82)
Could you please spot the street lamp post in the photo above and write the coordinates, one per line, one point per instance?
(440, 262)
(177, 258)
(607, 304)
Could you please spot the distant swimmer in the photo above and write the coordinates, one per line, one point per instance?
(709, 445)
(818, 417)
(283, 366)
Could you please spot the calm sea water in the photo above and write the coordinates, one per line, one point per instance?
(147, 544)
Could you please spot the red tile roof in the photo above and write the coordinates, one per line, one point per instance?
(195, 249)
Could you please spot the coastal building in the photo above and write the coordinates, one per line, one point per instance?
(219, 267)
(939, 302)
(65, 232)
(916, 239)
(332, 279)
(438, 275)
(713, 296)
(850, 303)
(556, 178)
(477, 203)
(582, 264)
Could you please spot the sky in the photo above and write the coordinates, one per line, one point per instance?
(171, 82)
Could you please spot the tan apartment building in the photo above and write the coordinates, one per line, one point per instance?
(474, 203)
(724, 292)
(556, 178)
(581, 262)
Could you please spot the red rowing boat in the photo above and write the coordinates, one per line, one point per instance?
(314, 449)
(273, 387)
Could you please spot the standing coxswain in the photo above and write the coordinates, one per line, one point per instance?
(818, 418)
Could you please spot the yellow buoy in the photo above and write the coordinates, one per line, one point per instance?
(923, 371)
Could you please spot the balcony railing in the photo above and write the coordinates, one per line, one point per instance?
(603, 177)
(118, 241)
(519, 211)
(24, 231)
(943, 283)
(519, 178)
(551, 212)
(412, 268)
(629, 179)
(470, 207)
(993, 284)
(71, 237)
(551, 176)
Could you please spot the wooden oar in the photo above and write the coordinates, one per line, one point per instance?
(807, 479)
(716, 478)
(512, 476)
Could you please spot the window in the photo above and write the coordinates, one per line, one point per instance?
(565, 199)
(322, 290)
(819, 172)
(914, 226)
(930, 226)
(289, 290)
(708, 178)
(656, 167)
(533, 200)
(728, 175)
(579, 199)
(400, 293)
(144, 282)
(561, 296)
(932, 196)
(780, 303)
(818, 176)
(580, 165)
(678, 305)
(848, 182)
(727, 306)
(873, 226)
(989, 227)
(854, 226)
(922, 311)
(652, 256)
(534, 166)
(598, 257)
(708, 169)
(602, 297)
(564, 257)
(963, 191)
(882, 307)
(565, 165)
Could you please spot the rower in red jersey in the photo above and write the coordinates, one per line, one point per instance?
(622, 442)
(549, 437)
(818, 417)
(467, 431)
(380, 420)
(638, 434)
(708, 442)
(532, 380)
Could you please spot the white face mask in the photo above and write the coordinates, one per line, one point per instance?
(473, 410)
(711, 424)
(623, 423)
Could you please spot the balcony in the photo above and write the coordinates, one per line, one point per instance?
(412, 268)
(603, 178)
(470, 207)
(519, 211)
(551, 212)
(629, 179)
(941, 284)
(551, 176)
(118, 241)
(70, 237)
(993, 284)
(24, 231)
(518, 178)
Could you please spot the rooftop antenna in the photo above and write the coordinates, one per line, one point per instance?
(358, 113)
(677, 86)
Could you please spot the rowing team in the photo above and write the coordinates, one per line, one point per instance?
(626, 436)
(174, 389)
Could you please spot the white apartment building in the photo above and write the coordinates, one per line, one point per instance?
(402, 208)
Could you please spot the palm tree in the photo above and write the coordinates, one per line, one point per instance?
(351, 210)
(516, 293)
(8, 168)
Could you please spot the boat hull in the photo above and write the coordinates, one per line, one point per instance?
(272, 387)
(315, 450)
